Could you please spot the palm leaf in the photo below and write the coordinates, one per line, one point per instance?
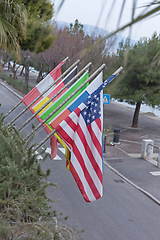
(12, 24)
(61, 4)
(146, 12)
(121, 12)
(150, 13)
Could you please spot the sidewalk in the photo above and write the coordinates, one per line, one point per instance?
(125, 158)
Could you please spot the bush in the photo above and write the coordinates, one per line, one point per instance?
(16, 83)
(24, 206)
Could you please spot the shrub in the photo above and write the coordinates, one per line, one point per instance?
(25, 211)
(16, 83)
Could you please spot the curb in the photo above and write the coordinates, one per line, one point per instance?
(9, 88)
(156, 200)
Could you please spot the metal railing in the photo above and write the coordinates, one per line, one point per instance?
(158, 160)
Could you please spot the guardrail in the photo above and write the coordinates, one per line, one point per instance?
(158, 160)
(147, 150)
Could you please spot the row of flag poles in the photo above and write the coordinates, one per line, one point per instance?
(70, 108)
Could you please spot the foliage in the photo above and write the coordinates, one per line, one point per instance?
(141, 81)
(12, 24)
(76, 27)
(16, 83)
(38, 61)
(39, 25)
(39, 36)
(38, 8)
(36, 35)
(24, 206)
(72, 42)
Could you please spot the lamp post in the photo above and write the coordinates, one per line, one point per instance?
(27, 73)
(1, 61)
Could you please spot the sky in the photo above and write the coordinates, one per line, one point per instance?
(97, 13)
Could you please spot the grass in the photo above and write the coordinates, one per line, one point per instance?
(16, 83)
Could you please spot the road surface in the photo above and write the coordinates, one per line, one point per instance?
(123, 213)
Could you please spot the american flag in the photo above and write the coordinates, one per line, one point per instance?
(82, 129)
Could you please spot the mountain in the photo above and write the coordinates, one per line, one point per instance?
(96, 31)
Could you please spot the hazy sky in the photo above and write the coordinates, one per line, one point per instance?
(95, 12)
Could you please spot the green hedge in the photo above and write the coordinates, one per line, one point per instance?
(16, 83)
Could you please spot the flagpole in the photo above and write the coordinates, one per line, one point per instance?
(67, 99)
(44, 91)
(22, 101)
(51, 99)
(86, 67)
(116, 73)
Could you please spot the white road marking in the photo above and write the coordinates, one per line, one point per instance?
(157, 173)
(62, 150)
(48, 150)
(57, 157)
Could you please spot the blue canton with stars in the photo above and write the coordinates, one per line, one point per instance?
(92, 111)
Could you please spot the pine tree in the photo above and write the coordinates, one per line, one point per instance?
(140, 82)
(24, 206)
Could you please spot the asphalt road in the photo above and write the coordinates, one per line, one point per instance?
(122, 213)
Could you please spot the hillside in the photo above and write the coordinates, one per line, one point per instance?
(96, 31)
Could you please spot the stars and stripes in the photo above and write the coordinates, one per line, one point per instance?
(79, 124)
(82, 129)
(92, 110)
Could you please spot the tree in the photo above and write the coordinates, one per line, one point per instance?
(40, 27)
(25, 211)
(12, 28)
(76, 27)
(40, 63)
(73, 42)
(12, 24)
(141, 80)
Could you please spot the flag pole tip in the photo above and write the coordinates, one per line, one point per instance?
(67, 58)
(120, 69)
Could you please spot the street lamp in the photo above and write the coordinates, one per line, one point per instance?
(27, 73)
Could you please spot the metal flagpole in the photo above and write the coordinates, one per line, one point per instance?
(61, 90)
(44, 92)
(32, 93)
(67, 99)
(116, 73)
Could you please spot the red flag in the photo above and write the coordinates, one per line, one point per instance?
(40, 87)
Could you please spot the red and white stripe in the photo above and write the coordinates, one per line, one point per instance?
(40, 87)
(86, 152)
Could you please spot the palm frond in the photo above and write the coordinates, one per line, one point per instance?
(148, 11)
(61, 4)
(121, 12)
(12, 24)
(140, 17)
